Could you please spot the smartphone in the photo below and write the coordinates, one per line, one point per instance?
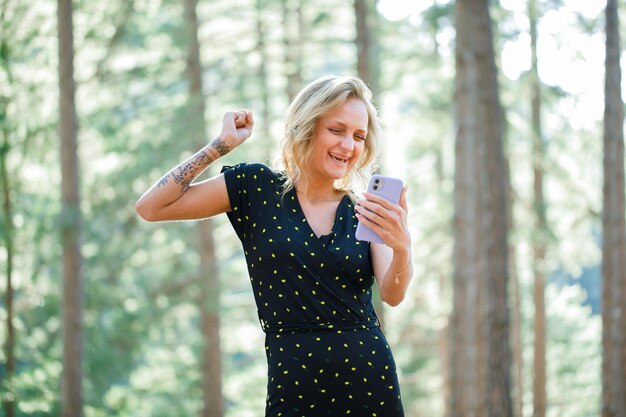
(386, 187)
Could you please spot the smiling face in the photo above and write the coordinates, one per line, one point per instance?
(339, 141)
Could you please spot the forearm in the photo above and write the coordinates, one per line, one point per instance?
(176, 182)
(397, 278)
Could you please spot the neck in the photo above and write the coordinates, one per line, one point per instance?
(313, 191)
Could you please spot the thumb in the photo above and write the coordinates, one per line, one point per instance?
(403, 198)
(249, 119)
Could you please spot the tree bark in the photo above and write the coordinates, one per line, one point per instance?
(480, 351)
(293, 41)
(9, 400)
(72, 393)
(613, 229)
(366, 45)
(516, 307)
(540, 232)
(367, 70)
(265, 100)
(516, 322)
(209, 291)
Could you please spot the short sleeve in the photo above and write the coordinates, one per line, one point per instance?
(245, 184)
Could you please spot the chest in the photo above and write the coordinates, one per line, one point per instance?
(320, 216)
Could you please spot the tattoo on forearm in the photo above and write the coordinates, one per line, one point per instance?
(185, 185)
(220, 146)
(163, 181)
(186, 172)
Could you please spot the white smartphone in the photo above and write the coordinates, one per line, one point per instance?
(386, 187)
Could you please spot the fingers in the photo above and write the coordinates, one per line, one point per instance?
(381, 212)
(249, 119)
(390, 228)
(243, 118)
(403, 199)
(384, 217)
(240, 118)
(237, 125)
(388, 205)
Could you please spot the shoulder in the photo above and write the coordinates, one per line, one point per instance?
(252, 175)
(245, 169)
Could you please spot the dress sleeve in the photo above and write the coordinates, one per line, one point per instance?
(243, 183)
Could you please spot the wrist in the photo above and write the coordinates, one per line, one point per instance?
(211, 151)
(402, 255)
(219, 147)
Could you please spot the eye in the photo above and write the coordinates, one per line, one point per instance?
(334, 130)
(360, 137)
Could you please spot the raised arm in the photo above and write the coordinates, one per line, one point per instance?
(176, 197)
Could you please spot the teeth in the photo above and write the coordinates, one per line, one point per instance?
(338, 158)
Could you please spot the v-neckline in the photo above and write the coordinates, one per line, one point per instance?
(335, 225)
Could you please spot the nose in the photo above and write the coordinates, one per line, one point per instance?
(347, 143)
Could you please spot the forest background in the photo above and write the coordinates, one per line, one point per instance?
(144, 319)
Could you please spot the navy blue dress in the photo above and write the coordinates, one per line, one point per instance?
(326, 354)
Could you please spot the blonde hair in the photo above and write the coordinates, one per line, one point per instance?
(317, 99)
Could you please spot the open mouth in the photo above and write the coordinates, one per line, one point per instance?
(338, 158)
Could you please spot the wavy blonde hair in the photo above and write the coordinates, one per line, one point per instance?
(317, 99)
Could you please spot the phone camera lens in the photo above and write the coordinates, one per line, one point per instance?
(376, 181)
(376, 187)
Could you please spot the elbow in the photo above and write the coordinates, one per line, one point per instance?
(393, 300)
(144, 212)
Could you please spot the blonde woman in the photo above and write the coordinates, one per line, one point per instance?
(311, 278)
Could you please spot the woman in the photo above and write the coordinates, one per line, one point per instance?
(311, 278)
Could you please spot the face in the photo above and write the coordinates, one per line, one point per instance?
(339, 140)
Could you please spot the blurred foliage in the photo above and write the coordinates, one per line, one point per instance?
(141, 324)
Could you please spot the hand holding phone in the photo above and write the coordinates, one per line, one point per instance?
(388, 188)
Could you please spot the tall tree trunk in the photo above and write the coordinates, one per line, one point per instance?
(613, 229)
(516, 301)
(208, 301)
(480, 356)
(265, 104)
(366, 45)
(293, 40)
(516, 313)
(9, 399)
(72, 394)
(540, 232)
(367, 70)
(210, 322)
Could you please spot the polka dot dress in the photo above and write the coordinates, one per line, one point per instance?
(326, 354)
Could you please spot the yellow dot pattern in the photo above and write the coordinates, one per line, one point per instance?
(325, 351)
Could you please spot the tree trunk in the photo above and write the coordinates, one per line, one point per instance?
(540, 232)
(479, 350)
(210, 322)
(366, 45)
(516, 321)
(209, 291)
(72, 395)
(293, 41)
(367, 70)
(516, 307)
(613, 229)
(9, 399)
(265, 106)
